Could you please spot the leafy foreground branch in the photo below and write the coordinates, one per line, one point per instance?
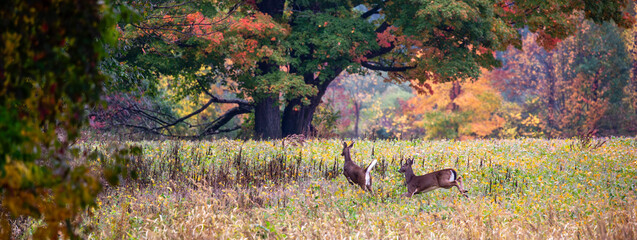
(48, 75)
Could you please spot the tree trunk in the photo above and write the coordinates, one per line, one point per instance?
(267, 119)
(297, 117)
(267, 116)
(357, 113)
(454, 92)
(272, 7)
(551, 106)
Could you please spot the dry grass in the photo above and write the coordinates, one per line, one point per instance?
(528, 189)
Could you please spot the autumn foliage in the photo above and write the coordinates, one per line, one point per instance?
(582, 84)
(472, 112)
(49, 74)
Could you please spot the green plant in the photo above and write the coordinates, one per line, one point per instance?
(49, 75)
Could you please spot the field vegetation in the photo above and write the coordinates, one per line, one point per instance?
(526, 188)
(224, 119)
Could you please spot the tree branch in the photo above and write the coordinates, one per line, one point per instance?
(173, 27)
(383, 26)
(376, 66)
(225, 118)
(187, 116)
(221, 100)
(213, 128)
(372, 11)
(155, 6)
(224, 130)
(243, 104)
(383, 50)
(142, 112)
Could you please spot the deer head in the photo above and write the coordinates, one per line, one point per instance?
(346, 149)
(406, 166)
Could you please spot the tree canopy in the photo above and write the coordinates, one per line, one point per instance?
(278, 57)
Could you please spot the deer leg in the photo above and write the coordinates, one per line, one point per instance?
(460, 186)
(455, 183)
(363, 187)
(410, 192)
(349, 180)
(368, 187)
(448, 185)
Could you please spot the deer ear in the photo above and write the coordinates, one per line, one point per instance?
(351, 144)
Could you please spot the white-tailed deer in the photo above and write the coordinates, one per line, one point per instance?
(354, 173)
(445, 178)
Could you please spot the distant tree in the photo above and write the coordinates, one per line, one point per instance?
(325, 120)
(629, 102)
(358, 91)
(338, 99)
(473, 112)
(576, 87)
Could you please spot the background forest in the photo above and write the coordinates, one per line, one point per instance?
(194, 71)
(584, 84)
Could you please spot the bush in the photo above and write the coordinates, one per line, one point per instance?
(49, 75)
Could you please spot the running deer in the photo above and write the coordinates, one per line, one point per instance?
(445, 178)
(354, 173)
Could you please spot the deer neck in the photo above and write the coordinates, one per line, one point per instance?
(347, 157)
(409, 175)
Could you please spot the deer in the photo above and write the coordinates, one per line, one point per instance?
(355, 174)
(445, 178)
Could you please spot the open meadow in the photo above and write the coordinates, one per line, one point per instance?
(526, 188)
(225, 119)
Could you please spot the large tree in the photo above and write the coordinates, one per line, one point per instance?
(284, 54)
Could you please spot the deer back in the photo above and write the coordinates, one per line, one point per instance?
(427, 181)
(445, 178)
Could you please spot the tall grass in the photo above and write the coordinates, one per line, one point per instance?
(526, 188)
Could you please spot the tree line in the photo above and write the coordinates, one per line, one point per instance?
(274, 60)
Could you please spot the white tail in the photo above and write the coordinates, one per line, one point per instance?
(368, 178)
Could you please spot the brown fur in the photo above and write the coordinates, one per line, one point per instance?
(353, 173)
(430, 181)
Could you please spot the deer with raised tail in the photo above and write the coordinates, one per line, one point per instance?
(445, 178)
(355, 174)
